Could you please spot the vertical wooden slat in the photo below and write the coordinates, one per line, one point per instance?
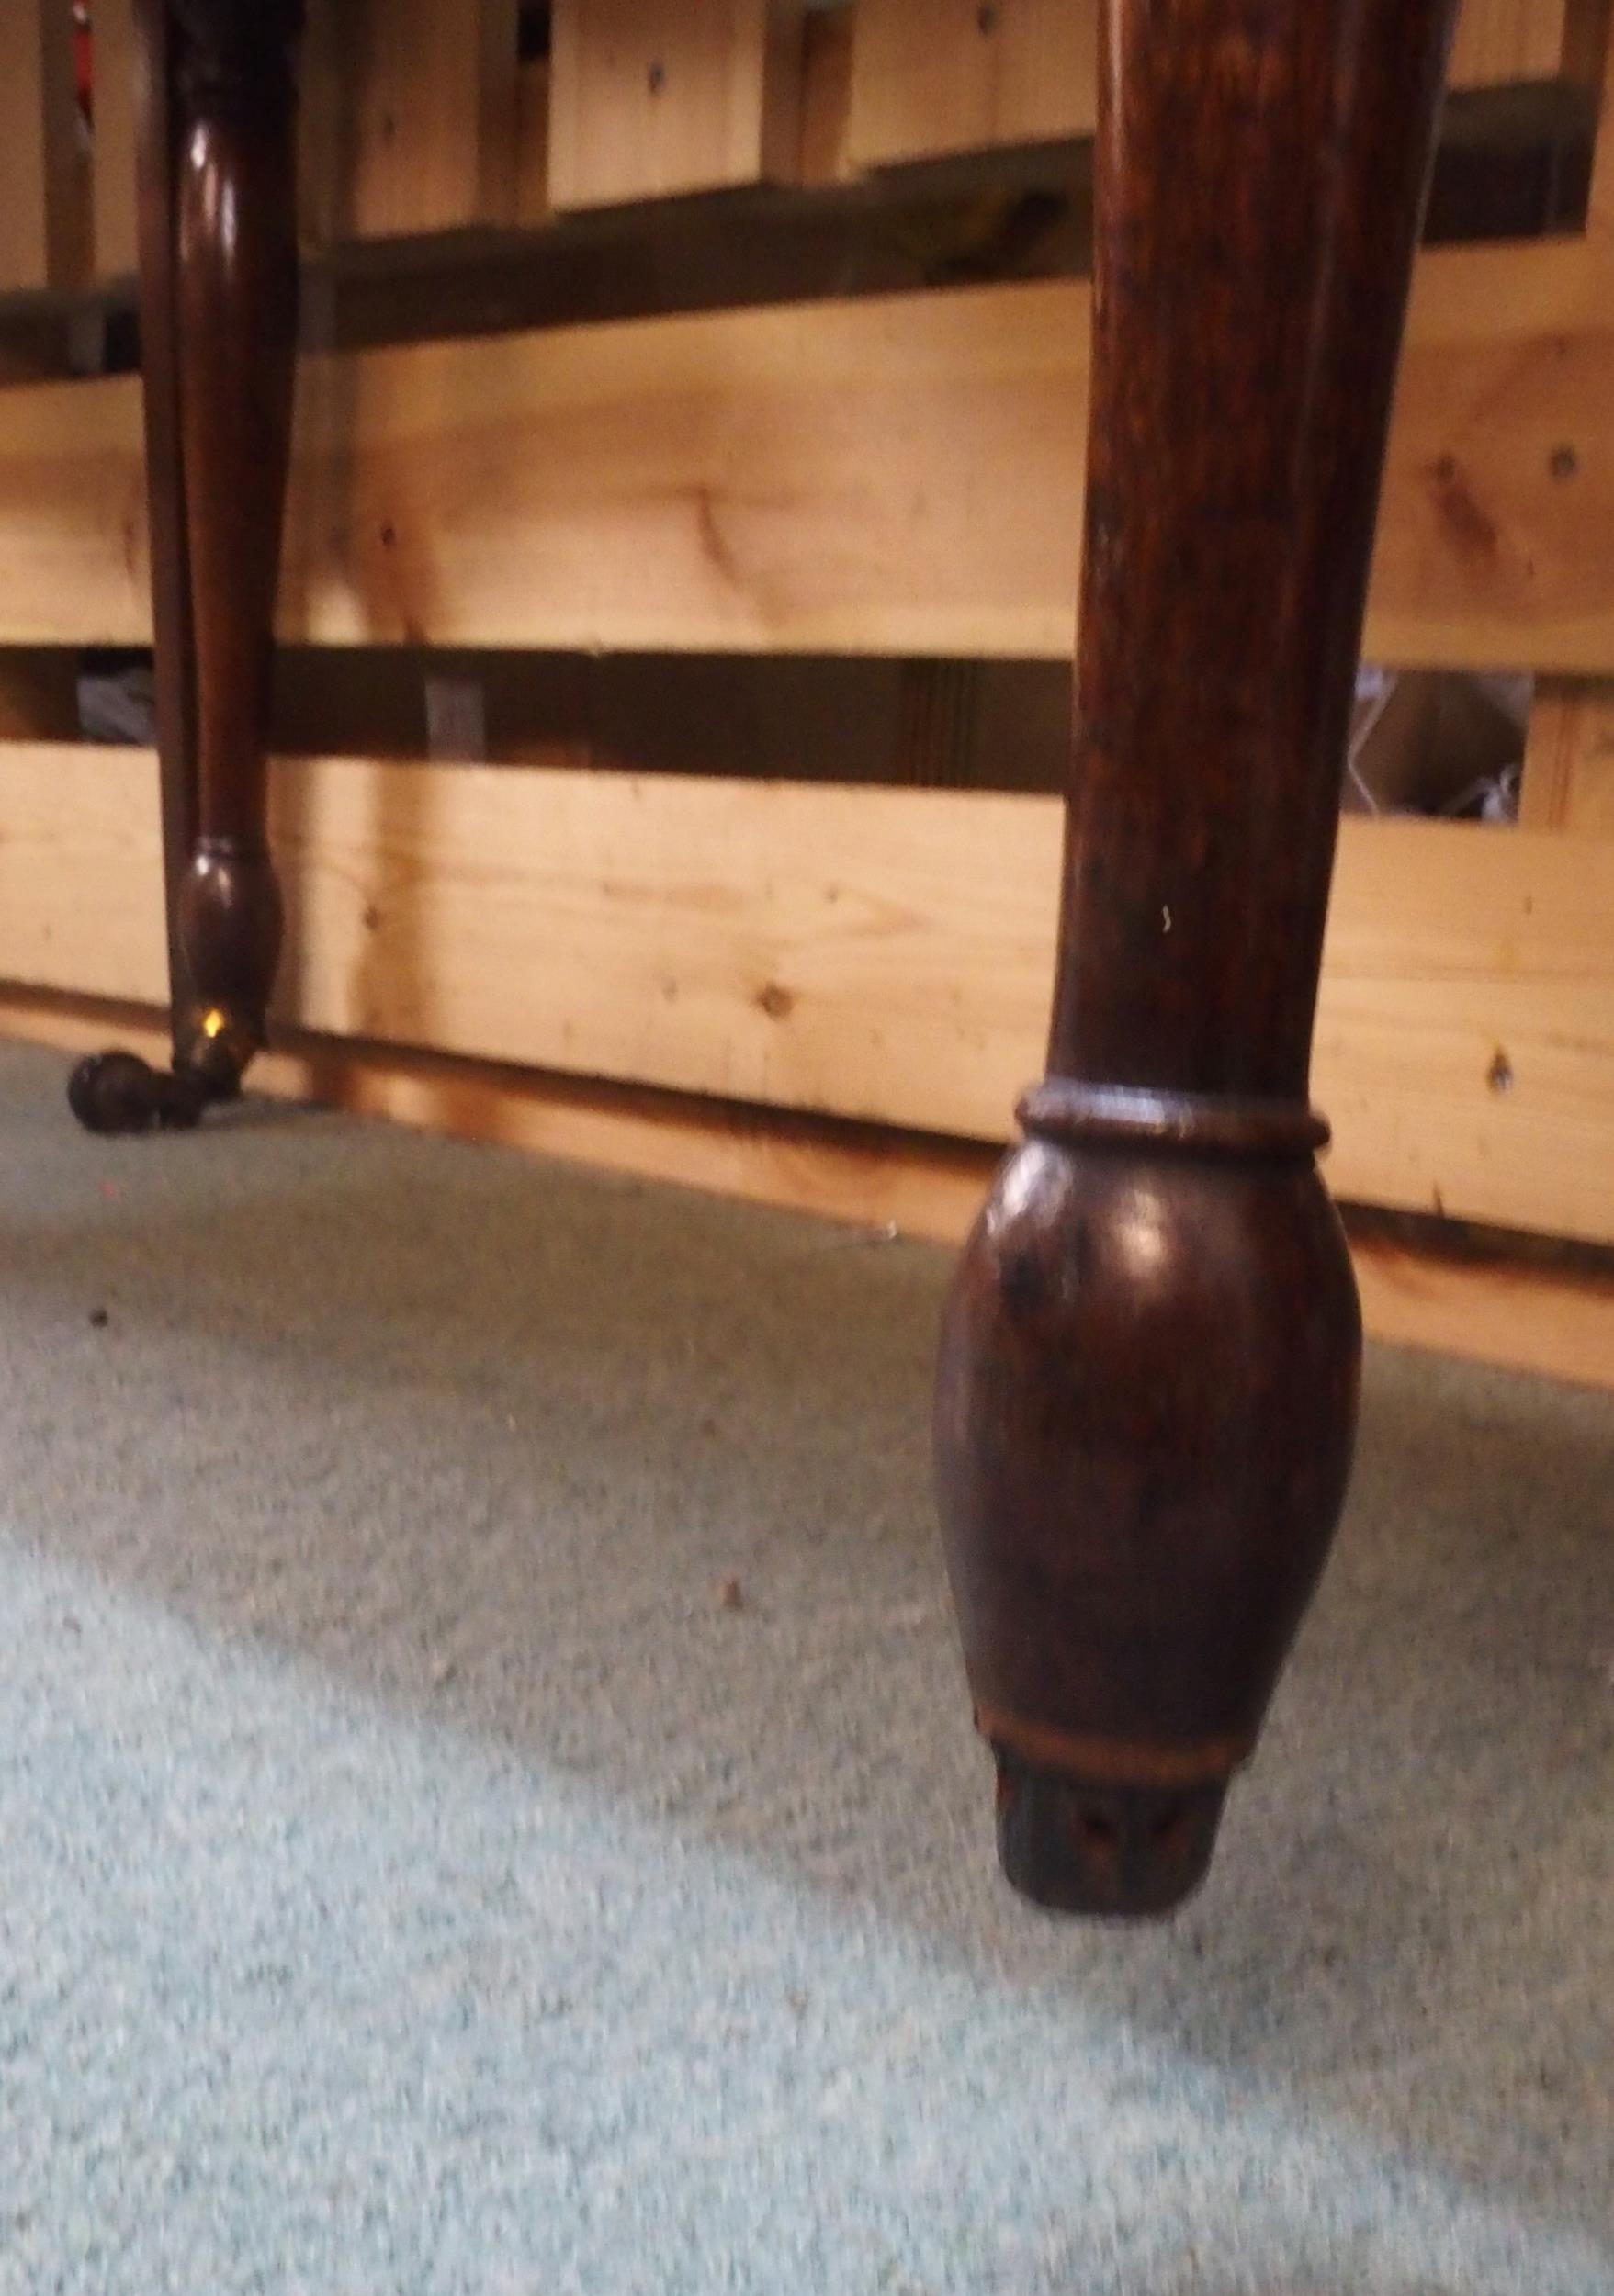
(409, 121)
(1569, 763)
(532, 142)
(1600, 71)
(1586, 32)
(497, 29)
(113, 161)
(1499, 40)
(826, 96)
(948, 75)
(651, 98)
(428, 97)
(44, 173)
(325, 143)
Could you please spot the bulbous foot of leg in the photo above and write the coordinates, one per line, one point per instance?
(229, 927)
(119, 1093)
(1145, 1413)
(1075, 1846)
(217, 1047)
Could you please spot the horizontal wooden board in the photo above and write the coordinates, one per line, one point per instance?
(1465, 1040)
(1497, 1310)
(899, 474)
(1489, 1311)
(876, 954)
(895, 475)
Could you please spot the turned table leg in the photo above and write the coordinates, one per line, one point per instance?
(218, 252)
(1149, 1380)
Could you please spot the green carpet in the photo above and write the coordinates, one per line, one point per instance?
(420, 1876)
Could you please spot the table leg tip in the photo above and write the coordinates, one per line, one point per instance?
(1124, 1852)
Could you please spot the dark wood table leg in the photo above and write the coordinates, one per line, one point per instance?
(1149, 1380)
(218, 252)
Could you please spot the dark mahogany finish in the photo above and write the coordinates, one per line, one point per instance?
(218, 322)
(1149, 1380)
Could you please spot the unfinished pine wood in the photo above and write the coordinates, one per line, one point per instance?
(826, 96)
(877, 953)
(930, 76)
(1499, 42)
(73, 515)
(44, 175)
(409, 121)
(651, 98)
(416, 119)
(888, 476)
(113, 143)
(1589, 31)
(892, 476)
(1569, 764)
(1504, 1312)
(325, 140)
(427, 132)
(1464, 1038)
(116, 812)
(1598, 70)
(1498, 1312)
(419, 121)
(533, 204)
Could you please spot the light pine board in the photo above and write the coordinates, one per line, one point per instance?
(879, 953)
(896, 476)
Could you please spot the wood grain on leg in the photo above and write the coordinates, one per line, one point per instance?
(1147, 1390)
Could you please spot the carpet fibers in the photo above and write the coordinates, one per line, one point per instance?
(487, 1799)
